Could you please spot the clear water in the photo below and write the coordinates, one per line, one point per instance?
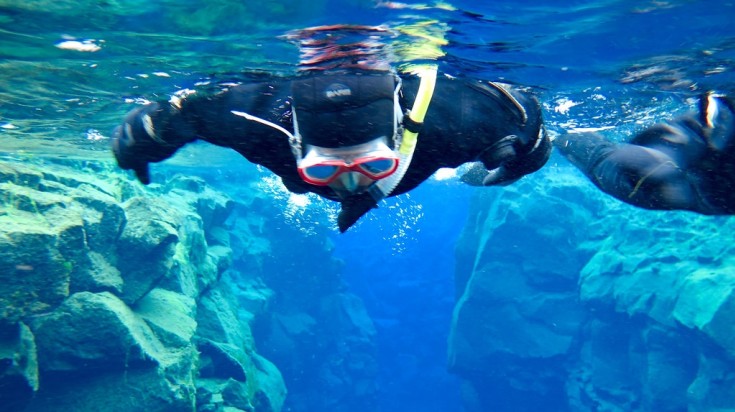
(614, 65)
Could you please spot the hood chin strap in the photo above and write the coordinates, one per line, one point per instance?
(413, 121)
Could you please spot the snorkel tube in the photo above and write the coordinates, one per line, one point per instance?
(412, 123)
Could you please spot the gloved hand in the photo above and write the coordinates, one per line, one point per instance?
(135, 143)
(514, 163)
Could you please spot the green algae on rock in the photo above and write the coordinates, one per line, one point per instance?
(110, 279)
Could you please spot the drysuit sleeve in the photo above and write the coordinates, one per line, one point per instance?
(154, 132)
(150, 133)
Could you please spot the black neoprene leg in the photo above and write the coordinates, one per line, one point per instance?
(634, 174)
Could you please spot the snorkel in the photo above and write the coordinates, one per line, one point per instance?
(412, 123)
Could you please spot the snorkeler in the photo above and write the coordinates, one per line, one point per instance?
(686, 164)
(353, 136)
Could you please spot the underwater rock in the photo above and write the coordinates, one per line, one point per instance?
(18, 367)
(235, 395)
(336, 344)
(706, 302)
(236, 377)
(88, 228)
(34, 275)
(170, 315)
(146, 245)
(263, 390)
(674, 271)
(147, 389)
(220, 257)
(151, 224)
(195, 265)
(119, 339)
(270, 394)
(222, 361)
(219, 396)
(122, 286)
(218, 236)
(92, 272)
(712, 389)
(219, 320)
(97, 334)
(577, 302)
(20, 175)
(350, 318)
(517, 314)
(104, 219)
(213, 207)
(230, 369)
(253, 296)
(318, 336)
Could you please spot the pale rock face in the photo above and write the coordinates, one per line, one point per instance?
(570, 299)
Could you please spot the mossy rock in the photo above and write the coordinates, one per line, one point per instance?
(34, 275)
(98, 331)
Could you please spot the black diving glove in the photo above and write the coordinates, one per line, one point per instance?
(136, 144)
(514, 163)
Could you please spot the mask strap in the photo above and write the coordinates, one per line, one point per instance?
(397, 115)
(295, 139)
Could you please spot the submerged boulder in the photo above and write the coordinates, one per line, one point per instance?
(146, 245)
(97, 334)
(170, 315)
(231, 373)
(119, 338)
(146, 389)
(672, 271)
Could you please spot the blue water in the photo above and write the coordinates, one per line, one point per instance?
(406, 279)
(594, 64)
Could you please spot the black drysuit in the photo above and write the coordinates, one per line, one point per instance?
(497, 125)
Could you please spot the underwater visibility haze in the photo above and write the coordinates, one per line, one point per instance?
(215, 289)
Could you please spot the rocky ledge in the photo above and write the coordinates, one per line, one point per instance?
(112, 293)
(116, 297)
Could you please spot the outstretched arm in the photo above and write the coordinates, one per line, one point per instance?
(148, 134)
(156, 131)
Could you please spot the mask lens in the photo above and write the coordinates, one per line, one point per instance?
(378, 166)
(321, 171)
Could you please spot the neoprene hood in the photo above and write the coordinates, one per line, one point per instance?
(337, 110)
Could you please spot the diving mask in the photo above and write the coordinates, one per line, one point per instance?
(349, 167)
